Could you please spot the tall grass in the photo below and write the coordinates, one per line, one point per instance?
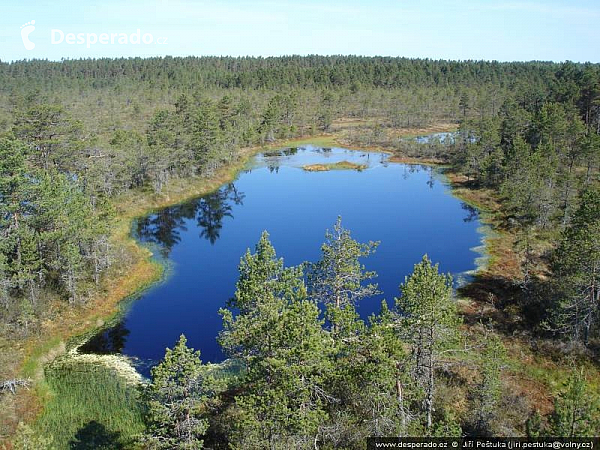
(90, 406)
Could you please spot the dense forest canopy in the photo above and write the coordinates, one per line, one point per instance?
(276, 72)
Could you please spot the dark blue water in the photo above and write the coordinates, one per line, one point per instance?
(406, 207)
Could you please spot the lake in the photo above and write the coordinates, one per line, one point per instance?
(408, 208)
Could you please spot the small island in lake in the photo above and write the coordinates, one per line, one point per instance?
(341, 165)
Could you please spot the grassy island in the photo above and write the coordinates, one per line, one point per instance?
(341, 165)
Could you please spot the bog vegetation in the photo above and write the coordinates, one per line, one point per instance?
(76, 136)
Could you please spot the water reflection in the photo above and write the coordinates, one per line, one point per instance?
(410, 169)
(164, 227)
(472, 213)
(213, 208)
(290, 151)
(108, 341)
(431, 180)
(273, 157)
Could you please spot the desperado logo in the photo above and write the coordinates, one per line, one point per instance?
(26, 30)
(89, 39)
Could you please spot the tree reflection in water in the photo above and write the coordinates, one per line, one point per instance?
(107, 342)
(165, 226)
(213, 208)
(472, 213)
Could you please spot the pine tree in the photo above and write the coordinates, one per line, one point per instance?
(174, 400)
(337, 280)
(372, 384)
(206, 136)
(277, 333)
(282, 405)
(576, 264)
(12, 185)
(50, 131)
(429, 322)
(271, 118)
(576, 409)
(488, 391)
(464, 104)
(533, 426)
(530, 188)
